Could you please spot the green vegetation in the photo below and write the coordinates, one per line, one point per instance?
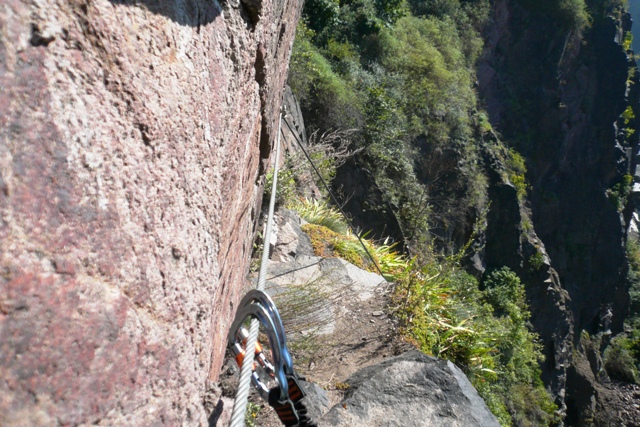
(633, 255)
(328, 241)
(628, 39)
(574, 13)
(446, 314)
(622, 358)
(628, 115)
(517, 170)
(252, 414)
(286, 190)
(401, 75)
(536, 261)
(320, 213)
(620, 191)
(484, 331)
(570, 14)
(619, 360)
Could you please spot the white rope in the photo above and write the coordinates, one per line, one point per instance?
(242, 396)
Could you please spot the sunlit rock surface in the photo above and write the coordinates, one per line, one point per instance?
(133, 139)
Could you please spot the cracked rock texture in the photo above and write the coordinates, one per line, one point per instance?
(133, 142)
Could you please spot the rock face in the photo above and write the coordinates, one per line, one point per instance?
(507, 241)
(564, 116)
(367, 203)
(410, 390)
(290, 240)
(133, 139)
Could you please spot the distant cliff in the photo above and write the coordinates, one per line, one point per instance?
(558, 95)
(133, 140)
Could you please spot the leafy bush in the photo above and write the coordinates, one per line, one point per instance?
(619, 361)
(505, 293)
(328, 100)
(619, 193)
(517, 170)
(632, 340)
(286, 189)
(405, 83)
(571, 15)
(574, 14)
(536, 261)
(633, 255)
(628, 115)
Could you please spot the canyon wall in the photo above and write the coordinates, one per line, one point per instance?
(558, 95)
(134, 136)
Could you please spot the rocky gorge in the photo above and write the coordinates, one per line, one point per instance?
(572, 134)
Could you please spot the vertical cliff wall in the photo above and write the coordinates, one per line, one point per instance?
(133, 136)
(557, 95)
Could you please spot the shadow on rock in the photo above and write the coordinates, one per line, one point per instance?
(192, 13)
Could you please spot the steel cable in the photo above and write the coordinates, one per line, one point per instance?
(242, 395)
(335, 201)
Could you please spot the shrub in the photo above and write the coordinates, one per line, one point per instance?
(504, 291)
(574, 14)
(327, 100)
(517, 170)
(633, 321)
(536, 261)
(286, 189)
(485, 332)
(619, 362)
(619, 192)
(628, 40)
(628, 115)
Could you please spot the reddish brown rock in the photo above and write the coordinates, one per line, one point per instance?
(133, 138)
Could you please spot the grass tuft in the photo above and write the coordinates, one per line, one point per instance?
(320, 213)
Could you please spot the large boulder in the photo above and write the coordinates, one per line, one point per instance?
(134, 136)
(412, 389)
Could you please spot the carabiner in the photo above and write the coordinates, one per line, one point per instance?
(266, 301)
(258, 311)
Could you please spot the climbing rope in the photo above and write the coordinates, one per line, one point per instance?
(333, 197)
(240, 404)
